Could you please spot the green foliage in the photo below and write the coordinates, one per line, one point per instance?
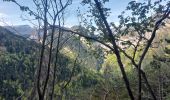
(158, 71)
(92, 21)
(16, 73)
(17, 64)
(140, 19)
(18, 59)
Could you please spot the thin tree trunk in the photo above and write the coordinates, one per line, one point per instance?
(112, 38)
(41, 96)
(56, 60)
(139, 83)
(157, 24)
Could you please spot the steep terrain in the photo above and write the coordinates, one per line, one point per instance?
(17, 64)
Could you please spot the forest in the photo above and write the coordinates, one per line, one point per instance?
(97, 59)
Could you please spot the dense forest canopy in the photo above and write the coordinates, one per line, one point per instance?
(98, 59)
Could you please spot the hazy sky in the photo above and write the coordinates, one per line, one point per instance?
(11, 14)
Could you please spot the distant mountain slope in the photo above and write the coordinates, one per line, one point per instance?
(73, 43)
(23, 30)
(13, 43)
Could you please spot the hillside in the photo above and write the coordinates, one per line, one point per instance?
(18, 61)
(13, 43)
(17, 64)
(22, 30)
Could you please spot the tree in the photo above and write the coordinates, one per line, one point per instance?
(129, 22)
(48, 12)
(140, 22)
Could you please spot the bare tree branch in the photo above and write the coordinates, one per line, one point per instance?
(112, 38)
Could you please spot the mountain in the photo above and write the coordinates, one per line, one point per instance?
(14, 43)
(23, 30)
(69, 42)
(18, 62)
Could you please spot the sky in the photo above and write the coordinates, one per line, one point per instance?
(10, 14)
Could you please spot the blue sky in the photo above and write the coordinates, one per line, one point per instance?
(11, 14)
